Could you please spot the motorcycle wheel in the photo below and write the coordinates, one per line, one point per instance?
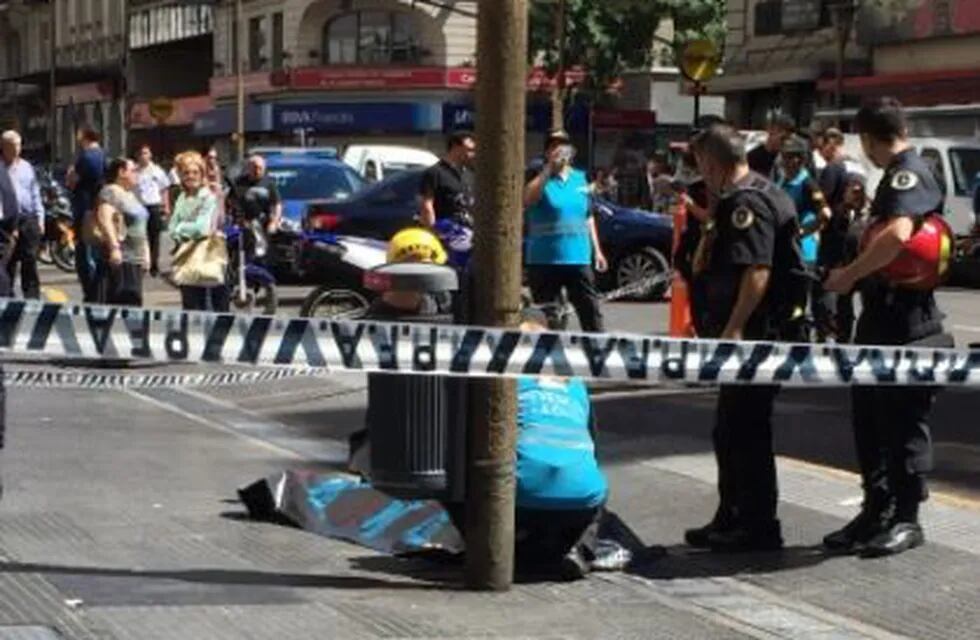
(63, 256)
(337, 304)
(258, 298)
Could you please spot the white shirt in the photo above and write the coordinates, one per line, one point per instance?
(152, 180)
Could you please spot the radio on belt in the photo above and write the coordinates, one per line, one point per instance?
(417, 423)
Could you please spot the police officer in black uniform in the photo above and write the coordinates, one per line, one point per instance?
(891, 432)
(746, 250)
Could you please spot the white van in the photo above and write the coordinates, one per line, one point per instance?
(955, 163)
(375, 162)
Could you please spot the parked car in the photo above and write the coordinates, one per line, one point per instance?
(376, 162)
(301, 179)
(637, 243)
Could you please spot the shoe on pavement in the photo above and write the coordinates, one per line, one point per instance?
(901, 537)
(698, 537)
(868, 524)
(742, 539)
(574, 566)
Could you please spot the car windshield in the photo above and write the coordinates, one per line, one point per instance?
(966, 169)
(395, 168)
(315, 182)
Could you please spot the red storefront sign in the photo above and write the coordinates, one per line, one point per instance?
(623, 119)
(918, 88)
(225, 86)
(338, 78)
(182, 111)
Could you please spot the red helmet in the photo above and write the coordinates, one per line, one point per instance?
(923, 263)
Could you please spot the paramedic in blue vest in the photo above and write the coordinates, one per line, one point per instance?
(891, 430)
(562, 241)
(560, 488)
(812, 210)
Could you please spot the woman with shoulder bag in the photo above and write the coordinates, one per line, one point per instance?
(201, 257)
(118, 226)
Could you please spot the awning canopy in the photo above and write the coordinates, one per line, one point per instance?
(921, 88)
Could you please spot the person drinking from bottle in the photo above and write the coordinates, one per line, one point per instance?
(562, 241)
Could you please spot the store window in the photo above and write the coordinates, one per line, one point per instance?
(373, 38)
(277, 40)
(258, 53)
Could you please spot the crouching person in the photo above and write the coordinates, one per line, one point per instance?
(561, 491)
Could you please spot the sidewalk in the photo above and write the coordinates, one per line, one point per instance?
(119, 522)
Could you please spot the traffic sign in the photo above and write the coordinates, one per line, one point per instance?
(700, 60)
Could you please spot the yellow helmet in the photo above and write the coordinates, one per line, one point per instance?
(416, 245)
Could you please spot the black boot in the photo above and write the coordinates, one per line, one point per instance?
(904, 533)
(874, 518)
(741, 539)
(724, 520)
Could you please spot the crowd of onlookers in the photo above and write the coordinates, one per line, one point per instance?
(121, 207)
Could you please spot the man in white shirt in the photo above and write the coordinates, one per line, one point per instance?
(152, 182)
(26, 222)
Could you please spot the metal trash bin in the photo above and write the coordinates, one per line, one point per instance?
(416, 423)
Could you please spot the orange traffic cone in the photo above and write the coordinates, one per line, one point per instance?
(681, 324)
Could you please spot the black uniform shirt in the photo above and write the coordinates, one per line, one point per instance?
(895, 316)
(746, 222)
(451, 191)
(833, 237)
(762, 160)
(255, 198)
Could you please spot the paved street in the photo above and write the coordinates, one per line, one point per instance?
(120, 521)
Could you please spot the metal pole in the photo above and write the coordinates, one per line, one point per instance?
(53, 87)
(500, 91)
(239, 83)
(698, 88)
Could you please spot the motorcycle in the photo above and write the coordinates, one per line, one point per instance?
(253, 287)
(343, 260)
(58, 243)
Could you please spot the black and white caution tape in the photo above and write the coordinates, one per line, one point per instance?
(171, 336)
(98, 380)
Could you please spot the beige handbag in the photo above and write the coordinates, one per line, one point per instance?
(201, 263)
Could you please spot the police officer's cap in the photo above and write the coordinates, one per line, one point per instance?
(795, 146)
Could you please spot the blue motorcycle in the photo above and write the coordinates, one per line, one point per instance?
(253, 287)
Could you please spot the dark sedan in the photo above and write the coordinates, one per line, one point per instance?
(637, 243)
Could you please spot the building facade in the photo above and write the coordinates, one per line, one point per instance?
(782, 55)
(89, 53)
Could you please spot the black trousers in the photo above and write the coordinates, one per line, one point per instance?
(542, 538)
(154, 227)
(123, 284)
(547, 282)
(205, 298)
(892, 436)
(25, 255)
(746, 464)
(5, 291)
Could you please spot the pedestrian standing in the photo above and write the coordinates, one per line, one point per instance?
(812, 211)
(746, 253)
(447, 186)
(8, 217)
(194, 218)
(833, 312)
(562, 243)
(85, 179)
(891, 430)
(763, 158)
(215, 179)
(30, 218)
(119, 229)
(152, 186)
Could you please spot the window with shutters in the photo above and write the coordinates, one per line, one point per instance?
(372, 38)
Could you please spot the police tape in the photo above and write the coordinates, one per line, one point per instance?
(180, 337)
(99, 380)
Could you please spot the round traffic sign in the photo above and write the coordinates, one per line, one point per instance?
(700, 60)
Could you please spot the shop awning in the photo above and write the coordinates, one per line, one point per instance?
(919, 88)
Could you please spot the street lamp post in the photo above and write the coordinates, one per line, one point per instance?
(239, 83)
